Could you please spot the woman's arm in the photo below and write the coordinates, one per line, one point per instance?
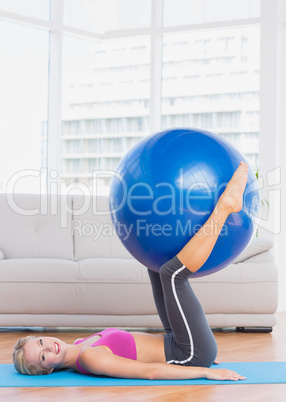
(99, 361)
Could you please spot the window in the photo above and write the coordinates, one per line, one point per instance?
(31, 8)
(119, 95)
(186, 12)
(216, 85)
(106, 15)
(95, 60)
(23, 103)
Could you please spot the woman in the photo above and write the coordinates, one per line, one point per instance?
(187, 349)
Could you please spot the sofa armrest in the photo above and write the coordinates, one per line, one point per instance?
(256, 246)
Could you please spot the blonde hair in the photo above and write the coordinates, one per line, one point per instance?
(20, 362)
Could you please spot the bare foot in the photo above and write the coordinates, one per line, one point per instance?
(232, 197)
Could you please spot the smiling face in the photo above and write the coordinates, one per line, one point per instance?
(46, 352)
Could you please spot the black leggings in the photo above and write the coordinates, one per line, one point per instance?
(189, 340)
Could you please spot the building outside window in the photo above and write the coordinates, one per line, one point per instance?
(210, 80)
(104, 86)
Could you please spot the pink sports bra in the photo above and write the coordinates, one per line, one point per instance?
(121, 343)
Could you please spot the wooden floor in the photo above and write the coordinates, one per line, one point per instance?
(232, 346)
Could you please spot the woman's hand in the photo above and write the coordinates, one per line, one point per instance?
(223, 374)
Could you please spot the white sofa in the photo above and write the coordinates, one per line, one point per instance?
(57, 270)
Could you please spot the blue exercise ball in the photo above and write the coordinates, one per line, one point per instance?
(166, 187)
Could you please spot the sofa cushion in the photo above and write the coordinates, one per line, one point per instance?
(94, 234)
(95, 286)
(36, 270)
(267, 256)
(1, 255)
(256, 246)
(245, 272)
(107, 287)
(35, 226)
(39, 286)
(239, 288)
(117, 286)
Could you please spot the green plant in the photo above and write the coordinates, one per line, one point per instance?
(264, 202)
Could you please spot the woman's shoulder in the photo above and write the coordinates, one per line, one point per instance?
(91, 359)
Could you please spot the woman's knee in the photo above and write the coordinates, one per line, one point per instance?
(172, 268)
(209, 354)
(166, 272)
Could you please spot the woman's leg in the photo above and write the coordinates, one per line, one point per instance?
(192, 341)
(198, 249)
(159, 299)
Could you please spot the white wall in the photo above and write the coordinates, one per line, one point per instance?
(272, 152)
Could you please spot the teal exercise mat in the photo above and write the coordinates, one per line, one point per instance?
(256, 373)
